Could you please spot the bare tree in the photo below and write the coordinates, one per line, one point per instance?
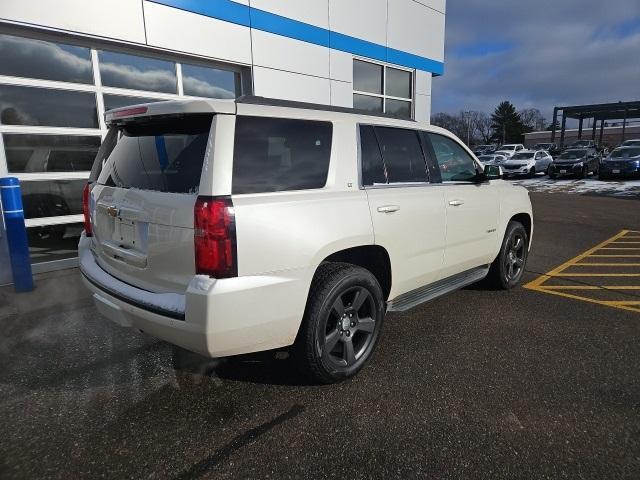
(532, 119)
(453, 123)
(483, 127)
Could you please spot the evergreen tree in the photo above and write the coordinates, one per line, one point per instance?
(506, 124)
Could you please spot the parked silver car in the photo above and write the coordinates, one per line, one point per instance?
(527, 162)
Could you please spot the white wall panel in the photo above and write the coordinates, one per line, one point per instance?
(423, 82)
(423, 108)
(314, 12)
(290, 86)
(416, 29)
(275, 51)
(188, 32)
(120, 19)
(341, 66)
(439, 5)
(341, 93)
(364, 19)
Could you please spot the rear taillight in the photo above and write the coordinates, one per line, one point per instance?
(215, 237)
(86, 193)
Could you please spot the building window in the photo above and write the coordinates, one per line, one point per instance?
(381, 88)
(53, 97)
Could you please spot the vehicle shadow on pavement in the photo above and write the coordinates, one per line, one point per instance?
(267, 368)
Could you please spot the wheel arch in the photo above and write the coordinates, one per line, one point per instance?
(526, 220)
(374, 258)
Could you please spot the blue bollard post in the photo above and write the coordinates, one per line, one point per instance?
(16, 234)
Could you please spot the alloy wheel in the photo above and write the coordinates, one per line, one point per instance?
(515, 256)
(349, 327)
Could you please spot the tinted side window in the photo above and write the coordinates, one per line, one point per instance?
(372, 166)
(454, 162)
(278, 154)
(402, 155)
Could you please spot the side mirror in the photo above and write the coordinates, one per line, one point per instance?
(492, 172)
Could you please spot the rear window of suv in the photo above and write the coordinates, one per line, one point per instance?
(279, 154)
(164, 155)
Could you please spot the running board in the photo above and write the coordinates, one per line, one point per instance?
(441, 287)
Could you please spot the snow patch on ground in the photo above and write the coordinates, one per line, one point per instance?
(627, 188)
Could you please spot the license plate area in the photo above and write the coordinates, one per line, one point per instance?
(563, 171)
(125, 233)
(615, 170)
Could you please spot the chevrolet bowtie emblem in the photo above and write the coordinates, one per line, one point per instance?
(112, 211)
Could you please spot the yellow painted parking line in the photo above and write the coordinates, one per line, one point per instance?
(583, 292)
(606, 264)
(597, 274)
(614, 256)
(591, 287)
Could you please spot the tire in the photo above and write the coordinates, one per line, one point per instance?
(532, 172)
(602, 176)
(501, 276)
(585, 172)
(552, 176)
(328, 320)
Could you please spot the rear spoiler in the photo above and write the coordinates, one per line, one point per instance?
(169, 107)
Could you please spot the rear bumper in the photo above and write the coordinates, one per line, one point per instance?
(215, 318)
(620, 170)
(569, 170)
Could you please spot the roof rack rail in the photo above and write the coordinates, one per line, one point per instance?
(276, 102)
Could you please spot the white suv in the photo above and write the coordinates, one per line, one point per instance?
(229, 227)
(509, 150)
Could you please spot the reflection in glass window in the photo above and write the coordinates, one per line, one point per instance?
(164, 155)
(367, 77)
(54, 242)
(137, 73)
(277, 154)
(398, 83)
(47, 107)
(372, 167)
(28, 153)
(119, 101)
(399, 108)
(52, 198)
(27, 57)
(367, 103)
(455, 163)
(402, 155)
(210, 82)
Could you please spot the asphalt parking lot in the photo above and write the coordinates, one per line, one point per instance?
(477, 384)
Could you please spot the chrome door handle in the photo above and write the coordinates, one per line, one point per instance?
(389, 208)
(456, 203)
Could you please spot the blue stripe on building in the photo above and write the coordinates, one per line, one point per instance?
(246, 16)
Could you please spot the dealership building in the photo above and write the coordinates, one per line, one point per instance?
(63, 63)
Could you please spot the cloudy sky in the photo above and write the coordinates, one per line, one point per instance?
(539, 54)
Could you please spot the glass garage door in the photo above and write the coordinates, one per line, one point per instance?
(53, 96)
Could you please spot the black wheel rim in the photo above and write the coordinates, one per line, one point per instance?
(348, 328)
(514, 257)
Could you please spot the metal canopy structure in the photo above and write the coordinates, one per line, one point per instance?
(599, 113)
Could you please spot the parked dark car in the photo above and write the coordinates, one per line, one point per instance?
(624, 162)
(576, 162)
